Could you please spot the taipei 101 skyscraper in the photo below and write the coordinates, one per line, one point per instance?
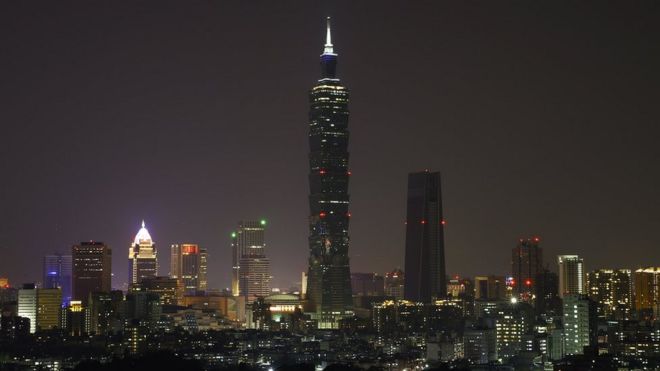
(329, 279)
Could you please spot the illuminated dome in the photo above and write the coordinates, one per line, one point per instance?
(142, 236)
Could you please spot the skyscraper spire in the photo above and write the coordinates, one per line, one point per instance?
(328, 39)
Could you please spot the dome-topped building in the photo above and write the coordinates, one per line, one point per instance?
(142, 262)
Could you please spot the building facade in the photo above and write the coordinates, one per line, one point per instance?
(41, 306)
(329, 279)
(92, 267)
(425, 246)
(251, 267)
(142, 259)
(526, 263)
(57, 271)
(647, 291)
(188, 264)
(571, 275)
(611, 290)
(579, 321)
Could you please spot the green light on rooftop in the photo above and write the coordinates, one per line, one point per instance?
(233, 234)
(263, 221)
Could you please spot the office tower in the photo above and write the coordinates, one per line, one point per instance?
(175, 260)
(547, 300)
(142, 261)
(203, 269)
(27, 305)
(647, 291)
(329, 277)
(367, 284)
(41, 306)
(425, 246)
(250, 261)
(49, 308)
(526, 263)
(188, 264)
(571, 275)
(611, 290)
(92, 269)
(57, 274)
(579, 321)
(394, 283)
(489, 288)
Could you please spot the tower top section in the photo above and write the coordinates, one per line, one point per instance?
(329, 57)
(142, 236)
(328, 39)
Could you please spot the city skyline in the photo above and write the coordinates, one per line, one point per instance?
(550, 193)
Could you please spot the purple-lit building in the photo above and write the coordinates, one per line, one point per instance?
(57, 272)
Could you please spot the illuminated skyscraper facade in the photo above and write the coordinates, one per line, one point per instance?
(41, 306)
(251, 267)
(57, 272)
(647, 292)
(425, 242)
(526, 263)
(611, 290)
(571, 275)
(92, 269)
(188, 264)
(329, 278)
(142, 262)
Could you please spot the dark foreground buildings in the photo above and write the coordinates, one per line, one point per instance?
(425, 243)
(329, 278)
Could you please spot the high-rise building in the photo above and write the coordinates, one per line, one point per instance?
(547, 299)
(329, 278)
(250, 261)
(41, 306)
(92, 269)
(57, 272)
(571, 275)
(611, 290)
(188, 263)
(425, 246)
(526, 263)
(647, 291)
(49, 308)
(27, 305)
(394, 284)
(142, 262)
(579, 321)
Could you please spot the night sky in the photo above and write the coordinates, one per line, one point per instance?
(542, 117)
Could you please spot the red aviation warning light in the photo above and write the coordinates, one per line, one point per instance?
(443, 222)
(322, 214)
(322, 172)
(528, 282)
(423, 221)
